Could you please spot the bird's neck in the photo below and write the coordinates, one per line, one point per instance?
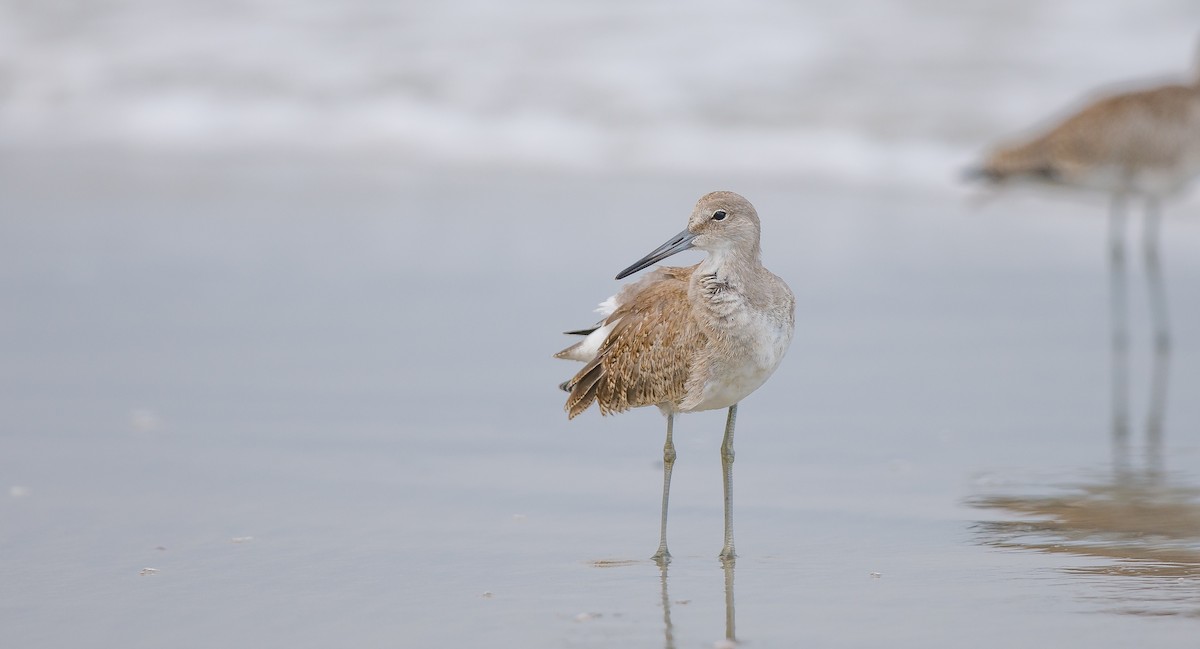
(734, 263)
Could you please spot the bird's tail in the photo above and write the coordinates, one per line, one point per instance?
(583, 388)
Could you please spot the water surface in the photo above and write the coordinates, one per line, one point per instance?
(317, 398)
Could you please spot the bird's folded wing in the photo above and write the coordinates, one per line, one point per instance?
(646, 357)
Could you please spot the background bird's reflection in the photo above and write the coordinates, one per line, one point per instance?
(1138, 517)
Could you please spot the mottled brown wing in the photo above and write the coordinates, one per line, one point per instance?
(1138, 128)
(647, 357)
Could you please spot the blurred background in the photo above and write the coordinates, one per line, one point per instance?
(281, 281)
(864, 92)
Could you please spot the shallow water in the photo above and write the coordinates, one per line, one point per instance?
(317, 398)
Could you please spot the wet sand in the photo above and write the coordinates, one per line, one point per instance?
(317, 399)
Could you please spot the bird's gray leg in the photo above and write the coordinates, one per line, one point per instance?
(1157, 290)
(1154, 277)
(730, 618)
(1120, 334)
(727, 467)
(663, 557)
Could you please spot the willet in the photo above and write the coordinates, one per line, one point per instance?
(1142, 144)
(688, 339)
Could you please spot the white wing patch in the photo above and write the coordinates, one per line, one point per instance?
(586, 349)
(607, 307)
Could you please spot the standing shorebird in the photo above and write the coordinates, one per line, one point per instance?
(689, 339)
(1143, 144)
(1135, 145)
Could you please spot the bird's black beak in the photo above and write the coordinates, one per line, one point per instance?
(677, 243)
(978, 174)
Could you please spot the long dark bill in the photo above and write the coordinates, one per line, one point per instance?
(677, 243)
(979, 174)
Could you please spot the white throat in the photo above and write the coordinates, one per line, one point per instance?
(724, 261)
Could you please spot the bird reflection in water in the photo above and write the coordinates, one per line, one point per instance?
(727, 565)
(730, 618)
(1138, 516)
(1159, 372)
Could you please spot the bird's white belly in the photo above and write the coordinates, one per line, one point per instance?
(1163, 181)
(733, 385)
(1153, 180)
(735, 379)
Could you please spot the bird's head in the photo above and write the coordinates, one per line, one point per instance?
(721, 222)
(1018, 164)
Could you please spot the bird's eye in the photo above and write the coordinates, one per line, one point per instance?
(719, 215)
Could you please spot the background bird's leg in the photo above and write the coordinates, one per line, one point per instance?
(1157, 291)
(1154, 277)
(1120, 334)
(663, 556)
(727, 466)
